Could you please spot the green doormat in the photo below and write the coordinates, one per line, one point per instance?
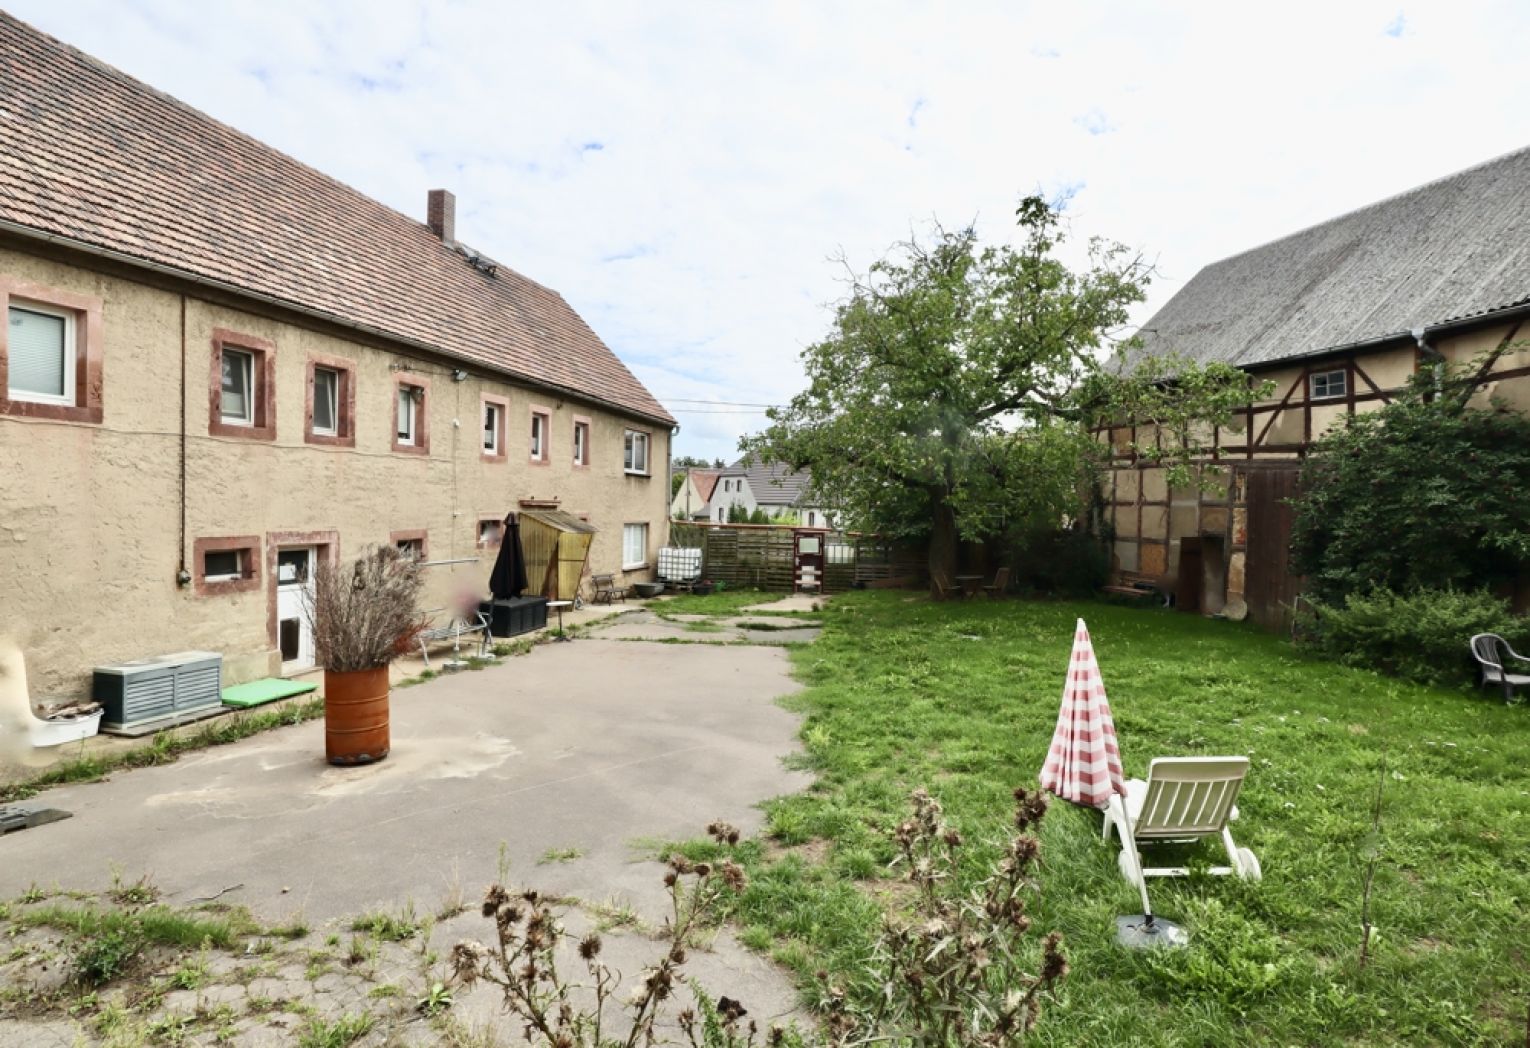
(267, 689)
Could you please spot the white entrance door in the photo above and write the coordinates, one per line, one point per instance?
(294, 585)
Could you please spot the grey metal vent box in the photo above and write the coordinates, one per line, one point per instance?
(163, 688)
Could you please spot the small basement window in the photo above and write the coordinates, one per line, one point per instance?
(1329, 385)
(411, 549)
(224, 565)
(490, 531)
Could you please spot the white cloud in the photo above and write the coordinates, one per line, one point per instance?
(741, 146)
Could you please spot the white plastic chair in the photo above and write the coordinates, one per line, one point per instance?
(1183, 799)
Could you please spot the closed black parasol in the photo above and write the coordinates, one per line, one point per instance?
(508, 579)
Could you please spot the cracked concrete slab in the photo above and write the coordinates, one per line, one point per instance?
(645, 625)
(576, 760)
(589, 746)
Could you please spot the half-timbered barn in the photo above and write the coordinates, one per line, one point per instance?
(1338, 317)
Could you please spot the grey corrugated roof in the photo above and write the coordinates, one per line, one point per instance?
(772, 483)
(1453, 249)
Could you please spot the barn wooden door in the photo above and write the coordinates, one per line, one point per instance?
(1270, 589)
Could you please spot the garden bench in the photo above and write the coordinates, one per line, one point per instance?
(1494, 656)
(1136, 584)
(460, 626)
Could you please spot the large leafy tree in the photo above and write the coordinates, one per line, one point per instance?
(953, 395)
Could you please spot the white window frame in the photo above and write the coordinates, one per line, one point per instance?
(632, 439)
(538, 435)
(240, 565)
(491, 428)
(499, 532)
(408, 412)
(627, 563)
(67, 398)
(250, 407)
(411, 549)
(1328, 377)
(581, 439)
(334, 402)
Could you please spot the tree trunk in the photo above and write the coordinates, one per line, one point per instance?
(943, 546)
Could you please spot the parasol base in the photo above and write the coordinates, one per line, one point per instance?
(453, 665)
(1138, 931)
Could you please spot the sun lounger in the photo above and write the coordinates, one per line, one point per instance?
(1183, 799)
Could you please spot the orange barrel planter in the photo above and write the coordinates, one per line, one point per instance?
(356, 716)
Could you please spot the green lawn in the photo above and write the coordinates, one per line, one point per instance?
(963, 697)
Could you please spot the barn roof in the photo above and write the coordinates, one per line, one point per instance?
(1454, 249)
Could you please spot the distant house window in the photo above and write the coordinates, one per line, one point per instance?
(812, 519)
(634, 546)
(581, 443)
(491, 428)
(540, 422)
(1329, 385)
(40, 347)
(635, 451)
(326, 402)
(490, 531)
(50, 352)
(720, 514)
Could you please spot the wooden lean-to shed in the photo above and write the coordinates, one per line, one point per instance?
(557, 547)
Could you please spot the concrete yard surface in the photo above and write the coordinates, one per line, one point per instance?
(576, 759)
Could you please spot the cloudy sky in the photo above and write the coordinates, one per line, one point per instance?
(685, 173)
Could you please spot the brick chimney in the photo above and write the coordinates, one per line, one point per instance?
(441, 215)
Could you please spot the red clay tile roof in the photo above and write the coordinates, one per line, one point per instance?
(92, 155)
(706, 482)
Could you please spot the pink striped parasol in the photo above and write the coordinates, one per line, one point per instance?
(1084, 763)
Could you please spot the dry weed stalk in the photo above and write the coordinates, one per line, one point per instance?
(522, 961)
(952, 971)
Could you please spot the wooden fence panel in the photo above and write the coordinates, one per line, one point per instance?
(764, 557)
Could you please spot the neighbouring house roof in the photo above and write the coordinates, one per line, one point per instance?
(705, 481)
(91, 155)
(773, 483)
(1454, 249)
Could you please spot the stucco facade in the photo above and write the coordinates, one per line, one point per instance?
(96, 520)
(1154, 525)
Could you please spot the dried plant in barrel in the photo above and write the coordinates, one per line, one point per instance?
(362, 614)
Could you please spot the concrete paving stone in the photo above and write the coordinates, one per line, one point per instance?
(52, 1033)
(795, 602)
